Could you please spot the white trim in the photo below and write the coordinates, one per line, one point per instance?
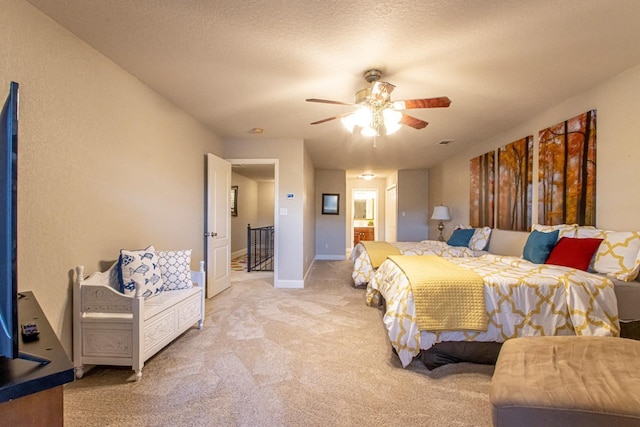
(306, 273)
(289, 284)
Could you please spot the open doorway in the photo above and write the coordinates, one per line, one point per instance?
(365, 214)
(254, 195)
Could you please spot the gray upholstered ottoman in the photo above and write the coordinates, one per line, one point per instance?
(567, 381)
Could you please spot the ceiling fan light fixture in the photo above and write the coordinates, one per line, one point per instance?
(376, 114)
(391, 120)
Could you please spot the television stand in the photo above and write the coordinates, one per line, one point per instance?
(30, 394)
(32, 357)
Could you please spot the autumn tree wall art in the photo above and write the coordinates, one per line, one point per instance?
(482, 177)
(515, 183)
(567, 172)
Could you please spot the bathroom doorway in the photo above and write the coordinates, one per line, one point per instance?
(365, 215)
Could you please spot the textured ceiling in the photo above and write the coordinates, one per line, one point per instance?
(238, 65)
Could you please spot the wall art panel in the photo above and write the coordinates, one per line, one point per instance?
(567, 172)
(482, 177)
(515, 182)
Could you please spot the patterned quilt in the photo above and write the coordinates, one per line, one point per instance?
(363, 270)
(521, 298)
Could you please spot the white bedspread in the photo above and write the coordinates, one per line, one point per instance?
(522, 299)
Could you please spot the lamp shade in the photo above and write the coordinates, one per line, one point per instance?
(441, 213)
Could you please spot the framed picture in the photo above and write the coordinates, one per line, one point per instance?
(234, 200)
(330, 204)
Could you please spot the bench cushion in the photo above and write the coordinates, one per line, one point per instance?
(562, 381)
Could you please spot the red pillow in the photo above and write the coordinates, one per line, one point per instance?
(574, 253)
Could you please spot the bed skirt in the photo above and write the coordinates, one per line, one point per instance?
(442, 353)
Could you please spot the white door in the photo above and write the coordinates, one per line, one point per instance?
(218, 225)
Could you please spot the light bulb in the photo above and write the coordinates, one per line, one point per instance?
(363, 117)
(391, 120)
(349, 122)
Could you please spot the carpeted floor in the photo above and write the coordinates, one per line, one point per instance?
(283, 357)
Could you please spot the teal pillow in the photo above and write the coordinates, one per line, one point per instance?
(539, 246)
(461, 237)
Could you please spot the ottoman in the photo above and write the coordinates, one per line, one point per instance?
(567, 381)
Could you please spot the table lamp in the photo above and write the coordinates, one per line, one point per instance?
(441, 213)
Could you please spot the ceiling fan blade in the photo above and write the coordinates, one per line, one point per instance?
(326, 101)
(413, 122)
(381, 91)
(328, 119)
(407, 104)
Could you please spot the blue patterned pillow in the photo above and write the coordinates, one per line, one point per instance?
(175, 267)
(140, 267)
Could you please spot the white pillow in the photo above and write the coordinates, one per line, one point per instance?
(140, 267)
(480, 239)
(618, 255)
(564, 230)
(587, 231)
(175, 268)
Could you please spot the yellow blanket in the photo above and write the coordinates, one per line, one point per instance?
(447, 297)
(378, 251)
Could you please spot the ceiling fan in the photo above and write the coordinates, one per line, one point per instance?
(376, 114)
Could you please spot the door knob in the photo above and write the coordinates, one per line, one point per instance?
(212, 234)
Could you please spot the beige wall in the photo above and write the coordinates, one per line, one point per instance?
(265, 204)
(413, 202)
(309, 211)
(330, 229)
(104, 162)
(618, 107)
(247, 211)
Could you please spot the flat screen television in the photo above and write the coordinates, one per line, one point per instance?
(9, 338)
(9, 328)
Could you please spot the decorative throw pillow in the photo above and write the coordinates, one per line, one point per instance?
(140, 267)
(587, 231)
(618, 255)
(574, 253)
(564, 230)
(539, 246)
(461, 237)
(480, 239)
(175, 268)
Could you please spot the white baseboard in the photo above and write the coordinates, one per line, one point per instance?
(289, 284)
(331, 257)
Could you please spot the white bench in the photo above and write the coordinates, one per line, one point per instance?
(111, 328)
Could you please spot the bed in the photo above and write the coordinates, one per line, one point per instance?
(521, 298)
(364, 264)
(570, 280)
